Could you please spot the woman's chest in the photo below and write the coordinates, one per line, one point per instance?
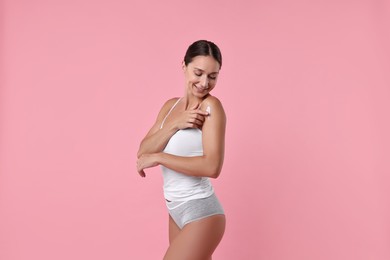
(187, 142)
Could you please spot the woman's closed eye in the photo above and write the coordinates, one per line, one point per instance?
(199, 74)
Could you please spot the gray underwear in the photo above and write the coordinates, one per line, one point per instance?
(184, 212)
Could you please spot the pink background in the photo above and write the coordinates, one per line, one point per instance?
(305, 85)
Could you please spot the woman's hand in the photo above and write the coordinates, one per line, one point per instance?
(191, 118)
(146, 161)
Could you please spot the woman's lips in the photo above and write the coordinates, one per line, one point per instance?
(200, 89)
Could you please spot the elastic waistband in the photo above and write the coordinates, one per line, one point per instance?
(174, 204)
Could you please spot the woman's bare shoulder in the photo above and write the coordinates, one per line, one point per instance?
(168, 105)
(212, 102)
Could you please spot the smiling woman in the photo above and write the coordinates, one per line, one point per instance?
(202, 74)
(188, 142)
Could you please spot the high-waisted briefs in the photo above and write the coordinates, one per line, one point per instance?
(184, 212)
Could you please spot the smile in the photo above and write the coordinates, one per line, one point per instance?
(200, 88)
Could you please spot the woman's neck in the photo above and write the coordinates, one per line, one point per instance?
(191, 101)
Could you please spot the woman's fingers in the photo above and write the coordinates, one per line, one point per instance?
(146, 161)
(140, 170)
(198, 121)
(193, 118)
(200, 117)
(140, 167)
(199, 112)
(142, 173)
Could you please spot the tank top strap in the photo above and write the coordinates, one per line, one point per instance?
(170, 110)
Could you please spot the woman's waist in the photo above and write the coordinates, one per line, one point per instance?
(186, 195)
(181, 181)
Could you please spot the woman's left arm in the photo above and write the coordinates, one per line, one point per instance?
(207, 165)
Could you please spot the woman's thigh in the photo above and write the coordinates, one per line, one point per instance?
(174, 230)
(198, 239)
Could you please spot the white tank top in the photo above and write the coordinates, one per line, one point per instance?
(178, 186)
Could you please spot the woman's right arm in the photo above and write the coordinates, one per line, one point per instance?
(156, 139)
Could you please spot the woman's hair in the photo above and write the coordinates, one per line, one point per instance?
(203, 48)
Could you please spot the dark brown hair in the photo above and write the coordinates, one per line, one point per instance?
(203, 48)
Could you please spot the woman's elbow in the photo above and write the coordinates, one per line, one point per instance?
(212, 166)
(214, 172)
(214, 175)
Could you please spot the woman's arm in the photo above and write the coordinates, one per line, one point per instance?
(156, 139)
(207, 165)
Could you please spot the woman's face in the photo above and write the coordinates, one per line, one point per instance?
(201, 75)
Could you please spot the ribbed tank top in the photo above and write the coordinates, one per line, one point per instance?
(178, 186)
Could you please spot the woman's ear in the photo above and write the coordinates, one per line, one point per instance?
(183, 65)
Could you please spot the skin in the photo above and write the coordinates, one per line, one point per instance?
(198, 239)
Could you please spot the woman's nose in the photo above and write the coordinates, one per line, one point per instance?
(204, 82)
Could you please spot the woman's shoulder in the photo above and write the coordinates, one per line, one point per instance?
(212, 101)
(169, 103)
(167, 106)
(214, 106)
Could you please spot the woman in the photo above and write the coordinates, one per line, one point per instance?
(187, 140)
